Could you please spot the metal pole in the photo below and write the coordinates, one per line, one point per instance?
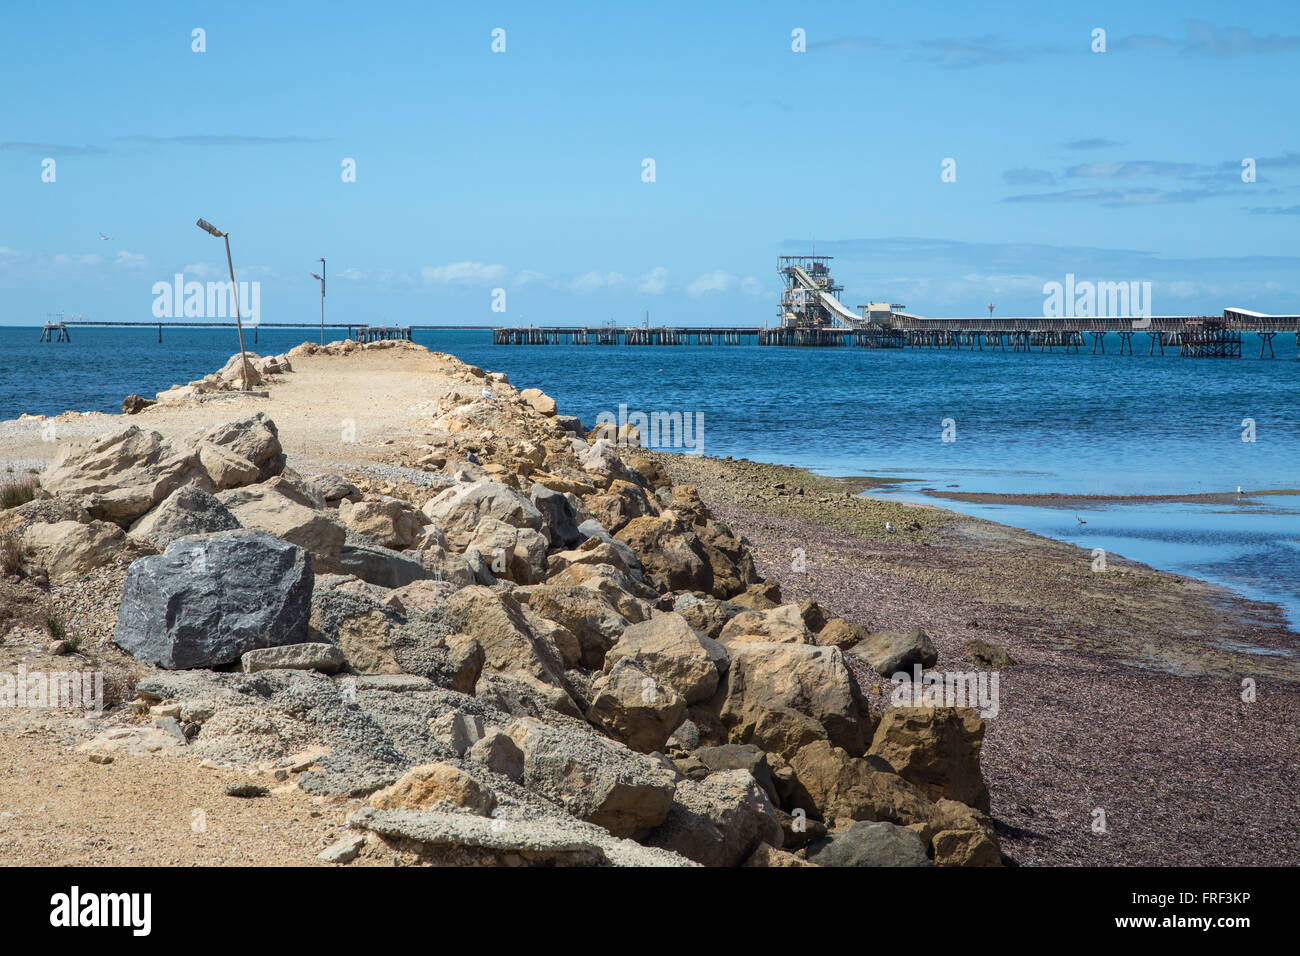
(239, 322)
(322, 302)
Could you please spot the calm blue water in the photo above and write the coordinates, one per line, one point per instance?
(1024, 423)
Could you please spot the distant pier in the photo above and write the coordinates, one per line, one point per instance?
(1198, 336)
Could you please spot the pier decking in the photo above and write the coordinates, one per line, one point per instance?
(1198, 336)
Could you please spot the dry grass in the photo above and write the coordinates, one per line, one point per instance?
(17, 492)
(11, 554)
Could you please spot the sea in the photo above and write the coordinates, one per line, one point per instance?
(933, 420)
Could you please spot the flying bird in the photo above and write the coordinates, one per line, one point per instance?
(102, 236)
(1080, 520)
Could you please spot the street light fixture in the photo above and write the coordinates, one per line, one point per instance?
(234, 291)
(322, 299)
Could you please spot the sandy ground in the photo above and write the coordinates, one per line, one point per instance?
(330, 410)
(1126, 698)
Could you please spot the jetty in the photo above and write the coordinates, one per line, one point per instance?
(812, 314)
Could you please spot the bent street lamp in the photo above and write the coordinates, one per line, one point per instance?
(234, 291)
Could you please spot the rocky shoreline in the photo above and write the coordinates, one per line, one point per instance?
(486, 637)
(1127, 691)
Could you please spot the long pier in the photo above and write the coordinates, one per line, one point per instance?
(1201, 336)
(61, 331)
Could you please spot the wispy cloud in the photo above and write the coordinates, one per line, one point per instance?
(592, 281)
(1206, 39)
(980, 51)
(1275, 210)
(1093, 143)
(215, 140)
(463, 272)
(1025, 176)
(50, 149)
(1132, 169)
(1112, 197)
(850, 43)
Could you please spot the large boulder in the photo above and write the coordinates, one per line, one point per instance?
(205, 601)
(593, 778)
(391, 522)
(186, 511)
(889, 652)
(937, 749)
(241, 452)
(623, 501)
(518, 554)
(558, 516)
(280, 508)
(459, 509)
(68, 549)
(437, 786)
(629, 705)
(718, 821)
(871, 844)
(783, 624)
(584, 611)
(673, 652)
(784, 696)
(382, 566)
(840, 789)
(122, 475)
(670, 553)
(510, 645)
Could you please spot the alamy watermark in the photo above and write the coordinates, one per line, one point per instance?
(205, 300)
(975, 689)
(679, 430)
(1098, 300)
(58, 690)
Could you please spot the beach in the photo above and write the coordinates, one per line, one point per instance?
(1126, 695)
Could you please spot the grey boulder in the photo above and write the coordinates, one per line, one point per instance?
(871, 844)
(205, 601)
(186, 511)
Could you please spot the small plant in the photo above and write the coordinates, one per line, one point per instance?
(17, 492)
(58, 632)
(11, 554)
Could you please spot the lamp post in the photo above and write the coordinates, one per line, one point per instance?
(234, 291)
(322, 299)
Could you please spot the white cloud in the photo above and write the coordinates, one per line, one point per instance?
(654, 282)
(352, 275)
(590, 281)
(715, 281)
(527, 276)
(463, 272)
(202, 270)
(133, 260)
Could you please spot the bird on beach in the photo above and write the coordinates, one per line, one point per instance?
(889, 528)
(486, 392)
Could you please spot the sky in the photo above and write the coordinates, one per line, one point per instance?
(512, 187)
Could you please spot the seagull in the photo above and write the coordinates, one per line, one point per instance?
(1239, 489)
(889, 528)
(486, 392)
(102, 236)
(1080, 520)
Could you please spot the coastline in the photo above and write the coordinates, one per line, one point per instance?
(1119, 679)
(1127, 692)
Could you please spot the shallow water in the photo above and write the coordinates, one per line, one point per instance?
(1043, 422)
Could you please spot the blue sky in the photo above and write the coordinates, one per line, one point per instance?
(522, 170)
